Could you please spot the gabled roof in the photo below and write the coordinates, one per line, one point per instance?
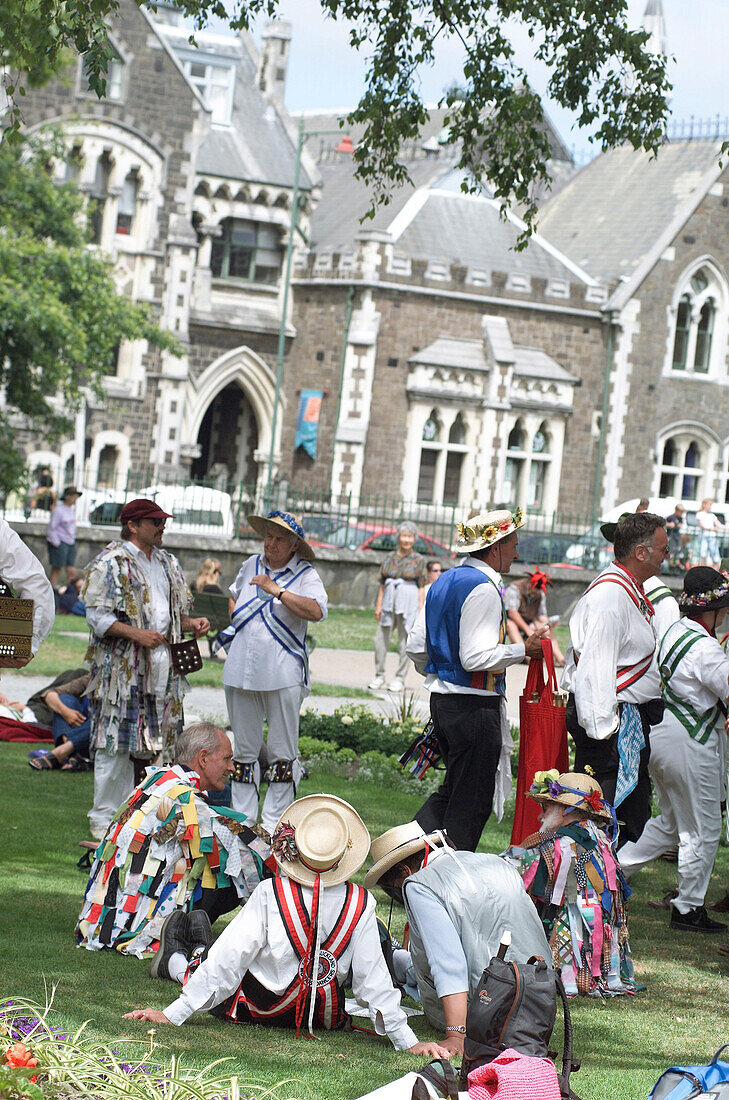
(613, 217)
(257, 146)
(470, 354)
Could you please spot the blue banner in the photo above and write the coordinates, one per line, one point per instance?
(307, 423)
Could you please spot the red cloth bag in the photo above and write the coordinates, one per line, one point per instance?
(542, 740)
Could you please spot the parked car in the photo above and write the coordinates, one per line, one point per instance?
(543, 548)
(426, 545)
(195, 509)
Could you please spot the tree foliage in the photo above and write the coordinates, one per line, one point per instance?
(598, 68)
(61, 318)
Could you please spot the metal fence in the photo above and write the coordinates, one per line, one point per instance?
(220, 507)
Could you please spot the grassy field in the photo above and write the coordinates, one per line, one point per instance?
(623, 1044)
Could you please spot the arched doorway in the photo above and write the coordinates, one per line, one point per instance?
(228, 440)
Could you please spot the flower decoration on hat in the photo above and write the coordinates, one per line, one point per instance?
(471, 531)
(283, 843)
(696, 601)
(539, 579)
(544, 781)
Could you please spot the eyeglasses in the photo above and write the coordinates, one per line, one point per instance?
(158, 521)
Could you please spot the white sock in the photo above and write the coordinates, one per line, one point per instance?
(177, 966)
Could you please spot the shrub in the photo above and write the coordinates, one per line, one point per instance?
(355, 727)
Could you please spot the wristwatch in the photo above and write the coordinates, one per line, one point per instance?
(279, 594)
(460, 1029)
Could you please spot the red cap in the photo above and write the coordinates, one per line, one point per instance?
(141, 508)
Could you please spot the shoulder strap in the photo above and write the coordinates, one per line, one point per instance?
(568, 1065)
(293, 912)
(345, 924)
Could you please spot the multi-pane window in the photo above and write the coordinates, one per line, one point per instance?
(127, 204)
(441, 460)
(681, 472)
(698, 310)
(98, 197)
(526, 470)
(114, 77)
(215, 84)
(247, 250)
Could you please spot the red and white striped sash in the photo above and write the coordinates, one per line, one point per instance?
(297, 922)
(628, 674)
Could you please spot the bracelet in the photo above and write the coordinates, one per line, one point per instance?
(460, 1029)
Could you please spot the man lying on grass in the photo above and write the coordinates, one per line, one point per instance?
(310, 920)
(168, 850)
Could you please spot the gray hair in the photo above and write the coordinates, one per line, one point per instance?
(195, 738)
(279, 529)
(408, 526)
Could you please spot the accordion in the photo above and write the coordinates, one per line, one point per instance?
(16, 627)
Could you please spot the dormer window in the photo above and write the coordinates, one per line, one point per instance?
(215, 83)
(247, 250)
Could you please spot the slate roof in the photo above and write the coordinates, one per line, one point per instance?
(469, 354)
(256, 147)
(611, 216)
(468, 230)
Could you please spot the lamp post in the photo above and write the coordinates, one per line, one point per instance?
(293, 226)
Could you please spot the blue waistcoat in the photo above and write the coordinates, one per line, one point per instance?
(442, 629)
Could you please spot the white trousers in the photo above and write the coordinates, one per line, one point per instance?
(689, 781)
(113, 783)
(246, 711)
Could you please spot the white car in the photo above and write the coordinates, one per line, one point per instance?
(195, 509)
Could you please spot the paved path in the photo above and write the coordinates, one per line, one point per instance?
(349, 667)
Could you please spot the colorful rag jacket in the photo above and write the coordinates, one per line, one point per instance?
(165, 845)
(124, 712)
(574, 878)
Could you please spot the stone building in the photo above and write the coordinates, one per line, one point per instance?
(188, 166)
(656, 233)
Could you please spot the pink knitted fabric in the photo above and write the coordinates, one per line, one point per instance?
(514, 1076)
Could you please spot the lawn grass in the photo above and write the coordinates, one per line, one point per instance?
(623, 1043)
(67, 643)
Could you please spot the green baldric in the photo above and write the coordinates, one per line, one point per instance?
(697, 724)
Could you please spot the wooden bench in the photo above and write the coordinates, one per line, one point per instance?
(214, 607)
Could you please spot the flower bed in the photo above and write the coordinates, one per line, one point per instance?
(39, 1061)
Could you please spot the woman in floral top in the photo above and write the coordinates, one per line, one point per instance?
(399, 599)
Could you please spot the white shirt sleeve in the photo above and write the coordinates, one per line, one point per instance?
(229, 958)
(311, 587)
(594, 678)
(715, 671)
(20, 568)
(479, 633)
(417, 650)
(372, 984)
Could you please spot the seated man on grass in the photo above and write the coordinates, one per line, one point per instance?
(167, 849)
(309, 919)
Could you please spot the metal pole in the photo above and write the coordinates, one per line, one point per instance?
(342, 362)
(284, 306)
(603, 418)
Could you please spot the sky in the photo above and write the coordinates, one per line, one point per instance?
(325, 72)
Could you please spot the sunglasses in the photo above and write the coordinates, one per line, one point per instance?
(158, 521)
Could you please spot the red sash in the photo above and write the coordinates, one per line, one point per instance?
(329, 1007)
(629, 674)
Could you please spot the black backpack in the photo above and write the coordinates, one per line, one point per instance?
(515, 1005)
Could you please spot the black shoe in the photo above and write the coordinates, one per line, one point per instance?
(200, 932)
(696, 920)
(174, 936)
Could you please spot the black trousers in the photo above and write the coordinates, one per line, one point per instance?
(218, 901)
(602, 756)
(468, 728)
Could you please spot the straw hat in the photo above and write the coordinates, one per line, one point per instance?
(571, 789)
(288, 523)
(487, 528)
(397, 844)
(320, 834)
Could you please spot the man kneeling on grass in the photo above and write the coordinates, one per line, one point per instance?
(168, 850)
(310, 920)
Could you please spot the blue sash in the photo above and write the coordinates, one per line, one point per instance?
(631, 741)
(258, 605)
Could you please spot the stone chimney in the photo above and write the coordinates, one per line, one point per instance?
(273, 60)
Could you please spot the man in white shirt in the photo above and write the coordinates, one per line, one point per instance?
(611, 673)
(137, 601)
(459, 644)
(309, 919)
(21, 569)
(266, 671)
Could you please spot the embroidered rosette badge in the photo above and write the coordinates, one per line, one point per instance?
(326, 970)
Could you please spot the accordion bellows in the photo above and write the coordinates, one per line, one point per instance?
(16, 627)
